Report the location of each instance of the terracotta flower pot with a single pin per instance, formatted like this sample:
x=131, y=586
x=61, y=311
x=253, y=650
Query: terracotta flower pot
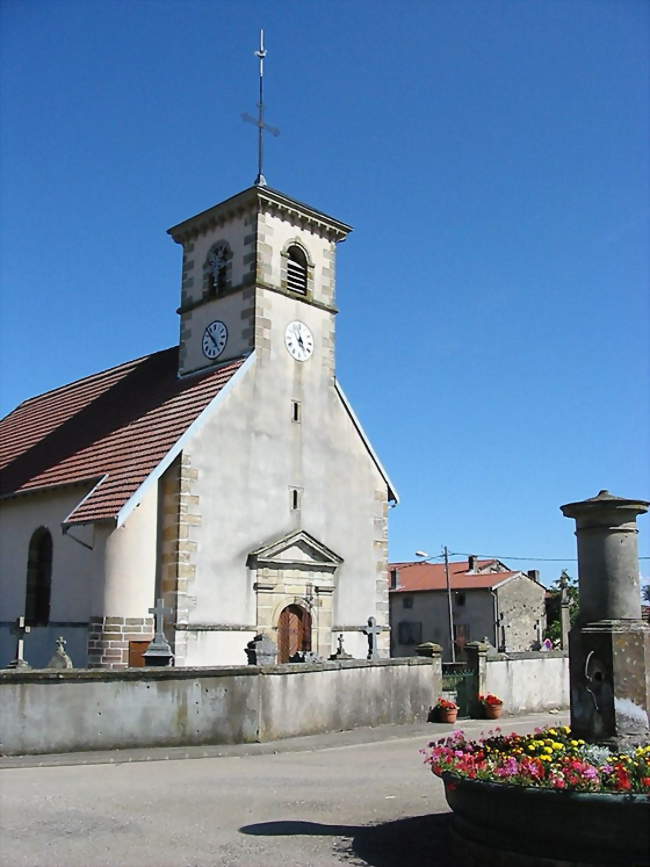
x=447, y=715
x=492, y=711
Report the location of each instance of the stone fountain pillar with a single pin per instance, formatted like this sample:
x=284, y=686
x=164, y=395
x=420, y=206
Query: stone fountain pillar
x=609, y=647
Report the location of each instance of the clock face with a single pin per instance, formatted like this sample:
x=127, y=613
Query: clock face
x=215, y=338
x=299, y=340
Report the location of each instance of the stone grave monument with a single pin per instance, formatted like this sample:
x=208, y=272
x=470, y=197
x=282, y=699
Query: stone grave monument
x=340, y=653
x=262, y=650
x=60, y=658
x=372, y=631
x=20, y=630
x=159, y=651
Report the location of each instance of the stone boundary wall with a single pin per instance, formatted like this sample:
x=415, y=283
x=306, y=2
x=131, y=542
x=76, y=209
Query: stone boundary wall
x=529, y=682
x=62, y=711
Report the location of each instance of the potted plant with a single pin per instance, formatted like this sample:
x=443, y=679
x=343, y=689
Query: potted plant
x=492, y=705
x=445, y=711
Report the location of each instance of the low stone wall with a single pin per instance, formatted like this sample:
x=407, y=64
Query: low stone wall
x=63, y=711
x=529, y=682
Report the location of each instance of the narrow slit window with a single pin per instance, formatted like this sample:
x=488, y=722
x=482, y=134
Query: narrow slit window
x=296, y=414
x=295, y=498
x=296, y=270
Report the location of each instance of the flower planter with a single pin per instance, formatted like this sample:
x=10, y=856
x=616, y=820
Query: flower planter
x=447, y=715
x=498, y=825
x=492, y=711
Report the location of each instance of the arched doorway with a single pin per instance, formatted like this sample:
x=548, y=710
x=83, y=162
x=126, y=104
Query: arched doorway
x=294, y=632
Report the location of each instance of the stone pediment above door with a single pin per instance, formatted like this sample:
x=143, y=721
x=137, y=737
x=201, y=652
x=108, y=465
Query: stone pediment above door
x=296, y=550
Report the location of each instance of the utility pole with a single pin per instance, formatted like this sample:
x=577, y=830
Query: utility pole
x=451, y=610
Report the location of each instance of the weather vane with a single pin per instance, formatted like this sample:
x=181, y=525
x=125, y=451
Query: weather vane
x=259, y=121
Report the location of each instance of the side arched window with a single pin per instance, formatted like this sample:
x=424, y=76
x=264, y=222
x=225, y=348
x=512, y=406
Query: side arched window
x=217, y=270
x=296, y=270
x=39, y=578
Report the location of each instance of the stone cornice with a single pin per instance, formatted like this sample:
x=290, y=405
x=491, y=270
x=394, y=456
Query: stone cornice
x=261, y=199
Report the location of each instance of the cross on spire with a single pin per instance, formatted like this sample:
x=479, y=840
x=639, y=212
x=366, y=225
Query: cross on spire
x=260, y=180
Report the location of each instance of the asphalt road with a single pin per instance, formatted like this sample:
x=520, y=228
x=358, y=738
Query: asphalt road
x=354, y=798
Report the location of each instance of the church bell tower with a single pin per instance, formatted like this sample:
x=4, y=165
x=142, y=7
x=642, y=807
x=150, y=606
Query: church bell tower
x=259, y=241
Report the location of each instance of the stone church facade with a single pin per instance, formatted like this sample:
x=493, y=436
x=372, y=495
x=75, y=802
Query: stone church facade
x=228, y=476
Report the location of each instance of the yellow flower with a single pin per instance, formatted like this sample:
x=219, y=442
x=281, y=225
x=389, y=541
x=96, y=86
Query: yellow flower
x=566, y=729
x=557, y=746
x=574, y=743
x=548, y=750
x=552, y=732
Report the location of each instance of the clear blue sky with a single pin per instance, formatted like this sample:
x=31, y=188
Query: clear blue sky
x=493, y=159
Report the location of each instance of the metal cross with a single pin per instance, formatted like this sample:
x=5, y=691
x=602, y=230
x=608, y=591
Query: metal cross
x=372, y=631
x=20, y=630
x=159, y=612
x=260, y=180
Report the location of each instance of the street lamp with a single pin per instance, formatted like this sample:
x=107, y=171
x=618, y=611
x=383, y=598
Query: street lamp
x=425, y=556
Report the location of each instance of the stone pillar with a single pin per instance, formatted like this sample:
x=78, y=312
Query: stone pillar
x=565, y=621
x=609, y=647
x=434, y=652
x=476, y=653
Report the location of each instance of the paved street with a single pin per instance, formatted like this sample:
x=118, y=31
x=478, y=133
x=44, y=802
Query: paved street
x=355, y=798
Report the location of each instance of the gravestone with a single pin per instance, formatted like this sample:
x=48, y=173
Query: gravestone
x=609, y=646
x=60, y=658
x=492, y=652
x=20, y=630
x=159, y=652
x=340, y=650
x=372, y=631
x=262, y=650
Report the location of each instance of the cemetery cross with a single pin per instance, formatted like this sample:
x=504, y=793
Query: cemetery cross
x=372, y=631
x=20, y=630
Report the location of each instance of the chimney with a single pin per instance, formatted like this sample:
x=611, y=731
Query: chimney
x=533, y=574
x=472, y=563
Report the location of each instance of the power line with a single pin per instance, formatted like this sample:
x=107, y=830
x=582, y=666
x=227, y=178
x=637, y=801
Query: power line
x=501, y=557
x=514, y=557
x=519, y=557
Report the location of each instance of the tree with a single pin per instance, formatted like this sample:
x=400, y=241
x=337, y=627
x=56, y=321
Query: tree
x=645, y=593
x=554, y=623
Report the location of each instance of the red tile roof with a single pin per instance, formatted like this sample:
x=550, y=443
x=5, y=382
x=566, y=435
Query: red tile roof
x=113, y=427
x=413, y=576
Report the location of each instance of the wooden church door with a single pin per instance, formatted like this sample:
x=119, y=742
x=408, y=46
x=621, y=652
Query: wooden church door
x=294, y=632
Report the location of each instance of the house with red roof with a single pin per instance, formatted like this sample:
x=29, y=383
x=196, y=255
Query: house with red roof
x=228, y=476
x=473, y=600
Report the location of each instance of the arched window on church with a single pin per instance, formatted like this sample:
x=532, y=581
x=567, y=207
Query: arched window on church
x=296, y=269
x=39, y=578
x=217, y=269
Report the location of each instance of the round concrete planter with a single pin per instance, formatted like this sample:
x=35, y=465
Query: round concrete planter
x=497, y=825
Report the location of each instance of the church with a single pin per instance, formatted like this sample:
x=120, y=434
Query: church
x=227, y=476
